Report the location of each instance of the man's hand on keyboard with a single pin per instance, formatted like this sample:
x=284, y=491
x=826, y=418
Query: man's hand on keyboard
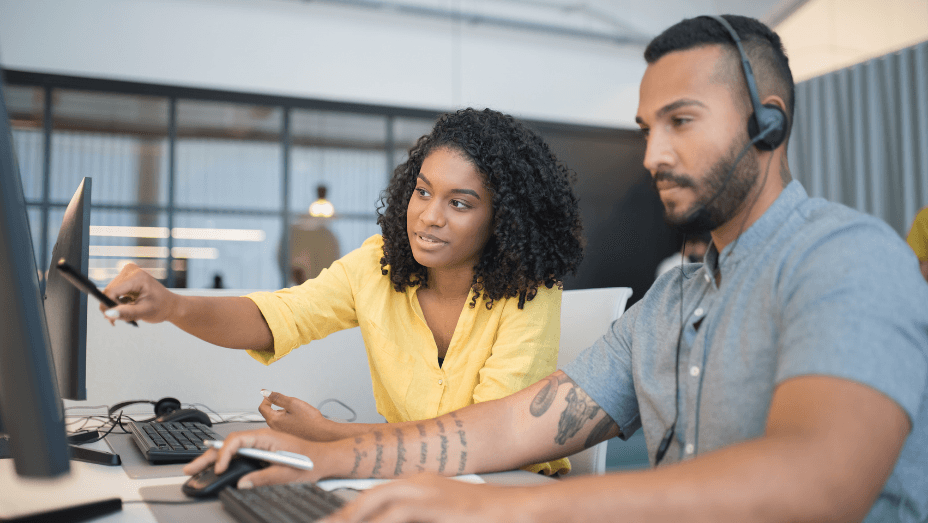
x=264, y=439
x=432, y=499
x=296, y=417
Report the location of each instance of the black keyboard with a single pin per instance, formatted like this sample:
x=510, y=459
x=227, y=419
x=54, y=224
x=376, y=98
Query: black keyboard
x=290, y=502
x=171, y=441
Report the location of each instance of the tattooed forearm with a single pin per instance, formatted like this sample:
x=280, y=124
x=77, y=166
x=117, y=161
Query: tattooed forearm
x=463, y=452
x=443, y=458
x=400, y=453
x=457, y=423
x=441, y=426
x=545, y=397
x=599, y=432
x=580, y=408
x=358, y=456
x=423, y=451
x=378, y=458
x=421, y=428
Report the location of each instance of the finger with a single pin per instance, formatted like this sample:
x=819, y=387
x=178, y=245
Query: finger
x=266, y=408
x=230, y=446
x=204, y=460
x=127, y=277
x=130, y=312
x=375, y=502
x=273, y=475
x=279, y=399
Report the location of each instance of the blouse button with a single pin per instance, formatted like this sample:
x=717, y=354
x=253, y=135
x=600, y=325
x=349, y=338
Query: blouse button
x=439, y=382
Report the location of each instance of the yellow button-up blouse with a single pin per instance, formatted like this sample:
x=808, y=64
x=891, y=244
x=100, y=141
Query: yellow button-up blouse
x=493, y=353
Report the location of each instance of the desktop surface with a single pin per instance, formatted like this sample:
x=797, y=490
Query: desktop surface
x=90, y=482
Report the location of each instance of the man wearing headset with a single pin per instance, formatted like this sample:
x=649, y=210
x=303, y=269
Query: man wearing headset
x=792, y=387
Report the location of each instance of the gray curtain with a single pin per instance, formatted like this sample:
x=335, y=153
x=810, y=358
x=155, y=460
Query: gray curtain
x=860, y=136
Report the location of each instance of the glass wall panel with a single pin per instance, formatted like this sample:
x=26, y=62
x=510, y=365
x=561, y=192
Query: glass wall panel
x=406, y=131
x=351, y=232
x=228, y=155
x=343, y=151
x=353, y=178
x=118, y=140
x=241, y=249
x=26, y=107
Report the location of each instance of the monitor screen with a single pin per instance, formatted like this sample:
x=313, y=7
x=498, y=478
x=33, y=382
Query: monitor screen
x=65, y=305
x=29, y=403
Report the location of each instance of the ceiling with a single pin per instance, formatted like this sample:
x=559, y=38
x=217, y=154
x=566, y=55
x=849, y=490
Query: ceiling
x=622, y=22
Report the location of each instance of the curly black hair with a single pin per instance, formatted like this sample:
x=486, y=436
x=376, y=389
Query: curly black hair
x=536, y=238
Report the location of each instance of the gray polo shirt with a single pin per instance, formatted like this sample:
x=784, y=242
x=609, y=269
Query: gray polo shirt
x=812, y=287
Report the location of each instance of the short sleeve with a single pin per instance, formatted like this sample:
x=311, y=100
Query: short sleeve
x=854, y=307
x=604, y=372
x=525, y=350
x=318, y=307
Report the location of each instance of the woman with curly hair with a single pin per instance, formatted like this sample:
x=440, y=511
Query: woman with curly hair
x=458, y=300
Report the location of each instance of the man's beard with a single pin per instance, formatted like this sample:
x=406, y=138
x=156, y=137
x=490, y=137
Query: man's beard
x=717, y=201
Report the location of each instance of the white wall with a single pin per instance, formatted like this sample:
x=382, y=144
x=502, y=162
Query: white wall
x=316, y=51
x=826, y=35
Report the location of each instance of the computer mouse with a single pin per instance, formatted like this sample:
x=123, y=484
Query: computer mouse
x=186, y=415
x=207, y=483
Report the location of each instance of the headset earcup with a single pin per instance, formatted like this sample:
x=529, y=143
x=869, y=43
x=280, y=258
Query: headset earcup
x=769, y=120
x=166, y=406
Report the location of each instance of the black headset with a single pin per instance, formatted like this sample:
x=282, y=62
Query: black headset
x=768, y=123
x=767, y=127
x=162, y=407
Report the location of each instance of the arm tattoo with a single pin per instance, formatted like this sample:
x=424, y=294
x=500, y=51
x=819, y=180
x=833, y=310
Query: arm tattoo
x=457, y=422
x=358, y=456
x=546, y=395
x=580, y=408
x=463, y=452
x=599, y=432
x=423, y=447
x=378, y=459
x=441, y=426
x=443, y=459
x=400, y=453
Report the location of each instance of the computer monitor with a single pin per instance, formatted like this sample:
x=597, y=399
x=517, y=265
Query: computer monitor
x=29, y=402
x=65, y=305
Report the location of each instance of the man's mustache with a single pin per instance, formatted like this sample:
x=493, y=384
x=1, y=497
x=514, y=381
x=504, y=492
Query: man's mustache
x=680, y=180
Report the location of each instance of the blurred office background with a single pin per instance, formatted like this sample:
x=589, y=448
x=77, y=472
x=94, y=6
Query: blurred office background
x=207, y=125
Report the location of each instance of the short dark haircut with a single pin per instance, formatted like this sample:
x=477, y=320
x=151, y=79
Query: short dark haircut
x=762, y=45
x=535, y=236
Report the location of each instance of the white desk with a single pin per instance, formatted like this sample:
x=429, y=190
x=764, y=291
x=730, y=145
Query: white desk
x=88, y=482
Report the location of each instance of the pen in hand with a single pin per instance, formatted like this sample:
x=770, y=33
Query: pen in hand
x=280, y=457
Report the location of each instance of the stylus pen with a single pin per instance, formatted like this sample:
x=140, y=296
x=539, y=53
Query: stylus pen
x=280, y=457
x=82, y=283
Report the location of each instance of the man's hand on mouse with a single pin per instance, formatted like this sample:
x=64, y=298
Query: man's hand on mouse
x=295, y=417
x=141, y=297
x=265, y=439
